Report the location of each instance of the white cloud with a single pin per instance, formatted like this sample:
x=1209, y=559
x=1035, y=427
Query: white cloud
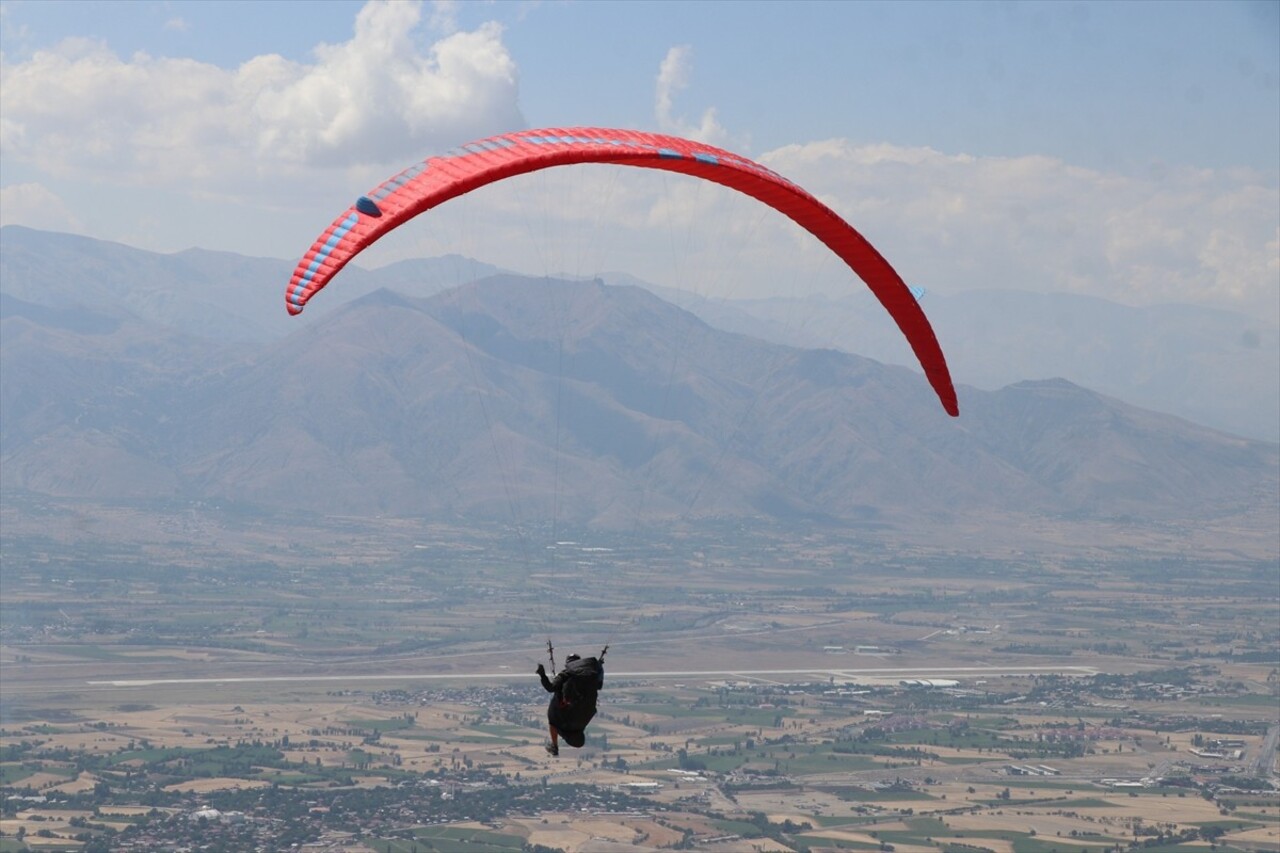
x=177, y=24
x=958, y=222
x=444, y=16
x=673, y=77
x=378, y=100
x=36, y=206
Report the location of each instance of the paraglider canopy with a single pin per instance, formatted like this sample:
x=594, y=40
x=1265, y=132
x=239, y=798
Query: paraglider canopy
x=438, y=179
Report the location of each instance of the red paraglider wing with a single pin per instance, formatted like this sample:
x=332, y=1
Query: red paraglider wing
x=438, y=179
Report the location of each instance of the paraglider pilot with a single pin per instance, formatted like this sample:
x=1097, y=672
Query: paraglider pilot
x=573, y=700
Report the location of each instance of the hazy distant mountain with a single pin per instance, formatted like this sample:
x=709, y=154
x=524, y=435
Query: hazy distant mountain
x=519, y=399
x=84, y=399
x=1213, y=367
x=219, y=295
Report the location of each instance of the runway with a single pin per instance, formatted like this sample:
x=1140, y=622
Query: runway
x=876, y=674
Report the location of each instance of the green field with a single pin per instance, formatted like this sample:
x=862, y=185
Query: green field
x=11, y=774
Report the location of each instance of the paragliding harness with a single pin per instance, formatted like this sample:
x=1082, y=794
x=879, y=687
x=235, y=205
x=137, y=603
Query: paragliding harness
x=581, y=679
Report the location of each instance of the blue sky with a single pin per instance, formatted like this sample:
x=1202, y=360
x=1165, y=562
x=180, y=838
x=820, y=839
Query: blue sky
x=1121, y=149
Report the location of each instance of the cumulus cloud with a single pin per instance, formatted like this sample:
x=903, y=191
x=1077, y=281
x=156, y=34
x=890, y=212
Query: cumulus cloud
x=36, y=206
x=673, y=77
x=377, y=100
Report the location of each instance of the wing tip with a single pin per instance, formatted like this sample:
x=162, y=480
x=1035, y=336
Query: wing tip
x=949, y=402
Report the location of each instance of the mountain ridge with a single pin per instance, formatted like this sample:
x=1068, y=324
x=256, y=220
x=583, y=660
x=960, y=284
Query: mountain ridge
x=1203, y=364
x=513, y=400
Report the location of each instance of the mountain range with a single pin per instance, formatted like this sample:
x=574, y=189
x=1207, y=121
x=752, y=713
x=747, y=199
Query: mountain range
x=513, y=399
x=1215, y=367
x=1210, y=366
